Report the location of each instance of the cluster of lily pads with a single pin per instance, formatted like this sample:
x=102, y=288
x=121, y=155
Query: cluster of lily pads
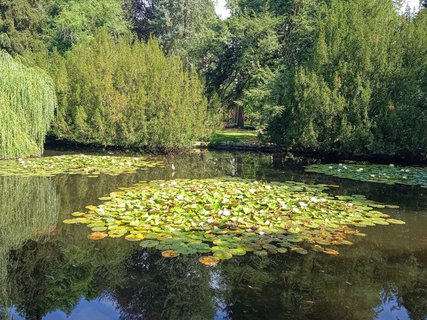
x=90, y=165
x=388, y=174
x=224, y=217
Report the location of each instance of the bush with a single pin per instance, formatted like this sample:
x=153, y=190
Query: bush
x=123, y=92
x=362, y=87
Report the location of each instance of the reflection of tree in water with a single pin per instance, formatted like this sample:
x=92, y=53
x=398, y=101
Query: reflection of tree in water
x=321, y=287
x=155, y=288
x=56, y=274
x=29, y=210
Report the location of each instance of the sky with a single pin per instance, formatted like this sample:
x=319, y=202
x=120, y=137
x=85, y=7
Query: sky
x=413, y=3
x=222, y=11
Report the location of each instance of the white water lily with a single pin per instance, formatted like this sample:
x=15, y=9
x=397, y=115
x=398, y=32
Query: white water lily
x=303, y=204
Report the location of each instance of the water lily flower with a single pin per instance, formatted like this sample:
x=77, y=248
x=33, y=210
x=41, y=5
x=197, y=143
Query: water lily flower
x=303, y=204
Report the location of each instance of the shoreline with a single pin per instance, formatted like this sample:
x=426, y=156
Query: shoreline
x=403, y=157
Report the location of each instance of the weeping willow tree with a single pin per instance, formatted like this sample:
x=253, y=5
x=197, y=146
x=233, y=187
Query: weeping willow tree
x=27, y=106
x=29, y=209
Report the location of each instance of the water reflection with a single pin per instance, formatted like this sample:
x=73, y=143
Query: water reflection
x=65, y=276
x=29, y=210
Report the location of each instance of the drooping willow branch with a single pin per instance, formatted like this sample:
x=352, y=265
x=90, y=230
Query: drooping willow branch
x=27, y=106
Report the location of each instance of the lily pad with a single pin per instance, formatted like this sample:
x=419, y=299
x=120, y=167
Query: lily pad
x=89, y=165
x=170, y=254
x=231, y=217
x=209, y=261
x=97, y=236
x=387, y=174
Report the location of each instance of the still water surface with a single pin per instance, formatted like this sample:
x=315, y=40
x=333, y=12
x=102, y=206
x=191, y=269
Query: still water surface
x=49, y=270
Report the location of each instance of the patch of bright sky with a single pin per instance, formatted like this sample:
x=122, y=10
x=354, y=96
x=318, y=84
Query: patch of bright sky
x=413, y=4
x=221, y=9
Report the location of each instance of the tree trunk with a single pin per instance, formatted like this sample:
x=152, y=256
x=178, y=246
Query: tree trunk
x=240, y=117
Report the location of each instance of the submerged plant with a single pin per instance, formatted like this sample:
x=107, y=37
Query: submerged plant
x=231, y=217
x=27, y=106
x=75, y=164
x=388, y=174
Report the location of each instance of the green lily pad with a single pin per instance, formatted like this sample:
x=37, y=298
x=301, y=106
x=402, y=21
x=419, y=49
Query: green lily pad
x=387, y=174
x=89, y=165
x=149, y=243
x=232, y=217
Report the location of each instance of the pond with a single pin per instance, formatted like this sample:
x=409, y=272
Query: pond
x=51, y=270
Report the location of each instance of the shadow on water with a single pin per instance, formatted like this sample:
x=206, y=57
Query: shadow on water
x=50, y=270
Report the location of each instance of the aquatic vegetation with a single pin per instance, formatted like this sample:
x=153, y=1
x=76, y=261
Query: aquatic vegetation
x=90, y=165
x=388, y=174
x=230, y=217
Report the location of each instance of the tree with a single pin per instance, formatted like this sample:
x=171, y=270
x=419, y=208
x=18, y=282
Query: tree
x=347, y=93
x=27, y=106
x=22, y=25
x=76, y=20
x=240, y=58
x=127, y=93
x=180, y=26
x=27, y=25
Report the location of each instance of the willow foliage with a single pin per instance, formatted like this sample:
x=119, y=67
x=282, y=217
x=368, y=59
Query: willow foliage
x=27, y=106
x=127, y=93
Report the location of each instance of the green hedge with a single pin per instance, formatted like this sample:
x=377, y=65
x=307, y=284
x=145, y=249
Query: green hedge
x=123, y=92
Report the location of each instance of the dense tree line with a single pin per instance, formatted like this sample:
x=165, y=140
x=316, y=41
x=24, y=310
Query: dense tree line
x=330, y=75
x=112, y=89
x=347, y=76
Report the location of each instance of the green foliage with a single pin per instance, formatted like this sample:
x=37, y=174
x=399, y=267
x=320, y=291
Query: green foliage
x=22, y=25
x=27, y=106
x=127, y=93
x=77, y=20
x=361, y=88
x=182, y=27
x=241, y=58
x=27, y=25
x=329, y=75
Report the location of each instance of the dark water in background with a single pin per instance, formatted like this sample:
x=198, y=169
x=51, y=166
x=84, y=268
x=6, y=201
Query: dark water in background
x=49, y=270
